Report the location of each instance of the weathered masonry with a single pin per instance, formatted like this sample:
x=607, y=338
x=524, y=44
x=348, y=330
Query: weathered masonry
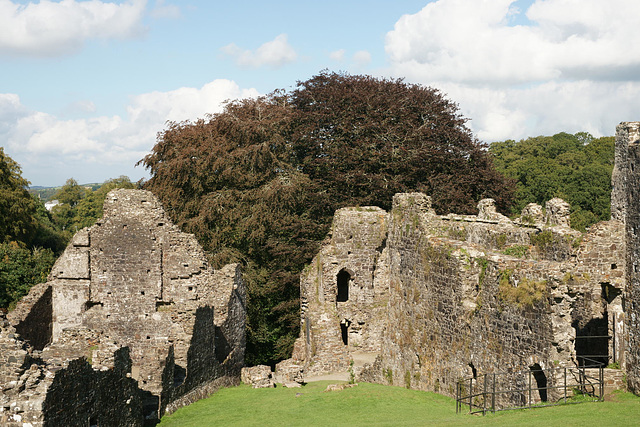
x=131, y=323
x=627, y=191
x=435, y=298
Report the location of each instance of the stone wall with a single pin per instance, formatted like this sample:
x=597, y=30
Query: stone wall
x=628, y=143
x=35, y=388
x=133, y=281
x=342, y=302
x=454, y=296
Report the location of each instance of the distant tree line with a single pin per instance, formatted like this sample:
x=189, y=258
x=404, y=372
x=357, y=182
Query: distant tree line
x=576, y=168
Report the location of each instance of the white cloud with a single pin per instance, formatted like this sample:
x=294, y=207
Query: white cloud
x=361, y=58
x=105, y=140
x=274, y=53
x=162, y=10
x=470, y=41
x=545, y=109
x=574, y=68
x=337, y=55
x=55, y=28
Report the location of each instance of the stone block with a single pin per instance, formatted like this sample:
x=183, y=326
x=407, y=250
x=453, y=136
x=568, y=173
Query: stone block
x=258, y=376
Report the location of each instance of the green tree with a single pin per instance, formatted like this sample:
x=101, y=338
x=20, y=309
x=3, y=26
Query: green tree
x=259, y=182
x=17, y=207
x=70, y=193
x=576, y=168
x=81, y=207
x=28, y=237
x=20, y=269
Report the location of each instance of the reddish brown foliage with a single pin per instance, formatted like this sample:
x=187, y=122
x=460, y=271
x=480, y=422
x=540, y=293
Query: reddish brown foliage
x=260, y=181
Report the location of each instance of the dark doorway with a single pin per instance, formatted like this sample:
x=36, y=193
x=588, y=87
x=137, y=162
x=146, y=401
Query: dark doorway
x=343, y=285
x=344, y=329
x=592, y=342
x=474, y=372
x=541, y=381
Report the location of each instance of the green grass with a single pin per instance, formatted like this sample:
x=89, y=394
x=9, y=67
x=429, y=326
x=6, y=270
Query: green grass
x=378, y=405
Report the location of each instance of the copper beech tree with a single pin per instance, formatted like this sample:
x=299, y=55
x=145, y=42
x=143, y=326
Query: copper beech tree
x=258, y=183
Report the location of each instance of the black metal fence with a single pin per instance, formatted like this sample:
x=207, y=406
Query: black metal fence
x=531, y=388
x=596, y=343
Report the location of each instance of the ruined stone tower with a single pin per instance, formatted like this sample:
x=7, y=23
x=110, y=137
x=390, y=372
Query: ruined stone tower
x=133, y=281
x=628, y=178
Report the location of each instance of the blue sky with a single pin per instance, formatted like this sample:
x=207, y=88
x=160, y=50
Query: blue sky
x=86, y=85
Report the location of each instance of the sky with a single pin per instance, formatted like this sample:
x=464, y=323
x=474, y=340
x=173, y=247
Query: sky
x=85, y=86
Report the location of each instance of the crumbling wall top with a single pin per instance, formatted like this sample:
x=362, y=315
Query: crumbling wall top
x=487, y=210
x=139, y=204
x=418, y=201
x=558, y=212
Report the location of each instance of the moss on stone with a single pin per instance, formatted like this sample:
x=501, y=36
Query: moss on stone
x=524, y=293
x=518, y=251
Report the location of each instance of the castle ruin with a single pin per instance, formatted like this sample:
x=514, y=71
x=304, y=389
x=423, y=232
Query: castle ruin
x=131, y=323
x=422, y=300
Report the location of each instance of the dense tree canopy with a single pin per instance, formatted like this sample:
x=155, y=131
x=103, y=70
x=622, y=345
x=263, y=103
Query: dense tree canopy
x=576, y=168
x=20, y=269
x=28, y=238
x=18, y=210
x=366, y=139
x=259, y=182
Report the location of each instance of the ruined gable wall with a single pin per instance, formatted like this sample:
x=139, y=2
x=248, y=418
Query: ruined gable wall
x=457, y=298
x=628, y=142
x=135, y=281
x=464, y=291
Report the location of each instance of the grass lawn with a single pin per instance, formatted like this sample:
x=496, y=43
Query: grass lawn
x=378, y=405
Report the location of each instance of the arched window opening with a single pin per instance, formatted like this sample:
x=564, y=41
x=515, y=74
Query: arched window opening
x=541, y=381
x=343, y=280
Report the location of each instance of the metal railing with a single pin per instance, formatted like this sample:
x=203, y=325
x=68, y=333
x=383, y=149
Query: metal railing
x=603, y=359
x=491, y=392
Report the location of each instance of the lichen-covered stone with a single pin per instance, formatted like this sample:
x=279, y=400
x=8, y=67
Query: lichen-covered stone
x=259, y=376
x=628, y=178
x=532, y=214
x=558, y=212
x=420, y=300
